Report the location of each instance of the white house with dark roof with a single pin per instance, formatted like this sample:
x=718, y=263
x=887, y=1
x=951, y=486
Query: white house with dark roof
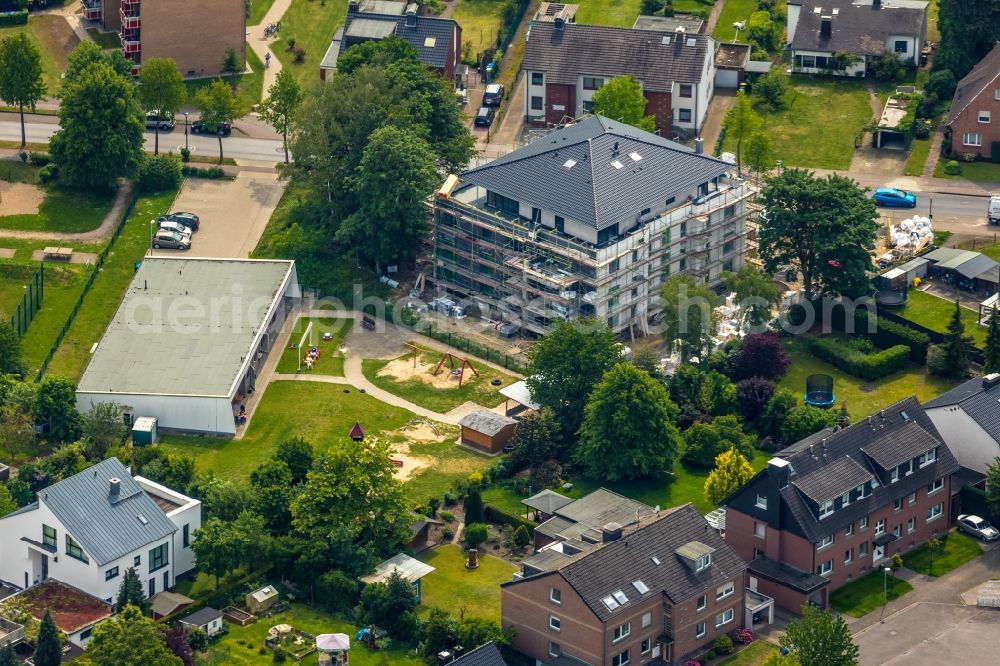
x=968, y=418
x=88, y=529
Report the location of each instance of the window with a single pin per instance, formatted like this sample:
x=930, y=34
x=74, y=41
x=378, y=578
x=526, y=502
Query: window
x=73, y=549
x=555, y=595
x=927, y=458
x=687, y=90
x=898, y=504
x=667, y=203
x=845, y=499
x=894, y=475
x=592, y=83
x=554, y=650
x=620, y=659
x=848, y=555
x=880, y=526
x=613, y=266
x=825, y=569
x=588, y=105
x=86, y=633
x=111, y=573
x=537, y=78
x=702, y=601
x=647, y=619
x=684, y=115
x=699, y=630
x=757, y=552
x=808, y=61
x=825, y=542
x=850, y=530
x=703, y=562
x=996, y=94
x=984, y=117
x=621, y=632
x=724, y=591
x=825, y=509
x=646, y=644
x=936, y=486
x=934, y=512
x=537, y=103
x=895, y=531
x=863, y=550
x=759, y=529
x=49, y=536
x=724, y=618
x=900, y=46
x=560, y=224
x=158, y=558
x=555, y=623
x=863, y=523
x=863, y=491
x=913, y=497
x=761, y=501
x=911, y=525
x=972, y=139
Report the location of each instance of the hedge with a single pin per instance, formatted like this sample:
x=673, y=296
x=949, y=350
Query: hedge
x=19, y=17
x=867, y=366
x=495, y=515
x=887, y=333
x=196, y=172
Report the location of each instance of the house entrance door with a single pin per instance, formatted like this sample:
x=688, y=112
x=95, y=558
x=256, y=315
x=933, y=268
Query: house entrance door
x=45, y=567
x=878, y=553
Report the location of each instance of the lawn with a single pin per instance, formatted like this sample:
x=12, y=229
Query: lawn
x=242, y=644
x=62, y=209
x=979, y=172
x=935, y=313
x=331, y=360
x=101, y=302
x=13, y=279
x=312, y=25
x=864, y=595
x=106, y=40
x=249, y=86
x=862, y=397
x=754, y=654
x=258, y=8
x=441, y=400
x=920, y=149
x=733, y=11
x=454, y=588
x=480, y=21
x=46, y=33
x=450, y=463
x=958, y=549
x=819, y=123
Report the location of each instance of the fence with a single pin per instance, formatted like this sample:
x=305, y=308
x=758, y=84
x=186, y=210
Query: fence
x=21, y=317
x=978, y=243
x=101, y=258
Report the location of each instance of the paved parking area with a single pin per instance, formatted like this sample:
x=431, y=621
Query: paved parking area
x=928, y=633
x=233, y=213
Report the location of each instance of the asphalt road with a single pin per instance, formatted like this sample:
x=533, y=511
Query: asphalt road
x=960, y=214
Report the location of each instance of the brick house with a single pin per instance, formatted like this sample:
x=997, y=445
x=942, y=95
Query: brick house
x=653, y=593
x=833, y=507
x=566, y=63
x=976, y=99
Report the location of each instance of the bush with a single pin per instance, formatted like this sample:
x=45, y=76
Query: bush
x=743, y=636
x=214, y=173
x=476, y=534
x=937, y=361
x=867, y=366
x=198, y=640
x=521, y=536
x=19, y=17
x=39, y=159
x=450, y=499
x=185, y=154
x=885, y=333
x=447, y=534
x=447, y=516
x=48, y=172
x=704, y=441
x=499, y=517
x=23, y=155
x=651, y=7
x=299, y=54
x=160, y=173
x=724, y=644
x=922, y=129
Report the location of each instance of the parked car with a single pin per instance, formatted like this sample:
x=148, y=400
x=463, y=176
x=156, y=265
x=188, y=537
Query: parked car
x=198, y=127
x=493, y=95
x=187, y=219
x=177, y=227
x=171, y=240
x=165, y=121
x=890, y=196
x=485, y=115
x=977, y=527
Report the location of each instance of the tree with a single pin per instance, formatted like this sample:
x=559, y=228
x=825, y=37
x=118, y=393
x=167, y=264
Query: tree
x=130, y=592
x=161, y=90
x=651, y=7
x=16, y=431
x=231, y=65
x=473, y=507
x=521, y=537
x=968, y=33
x=272, y=494
x=941, y=84
x=101, y=129
x=198, y=640
x=11, y=354
x=377, y=53
x=771, y=88
x=298, y=455
x=7, y=657
x=283, y=99
x=771, y=421
x=130, y=638
x=732, y=471
x=217, y=548
x=88, y=53
x=704, y=442
x=756, y=296
x=104, y=427
x=820, y=638
x=397, y=173
x=804, y=420
x=56, y=406
x=689, y=318
x=886, y=67
x=823, y=227
x=628, y=429
x=21, y=77
x=991, y=355
x=178, y=641
x=7, y=503
x=752, y=396
x=475, y=534
x=565, y=366
x=621, y=99
x=48, y=650
x=390, y=605
x=218, y=106
x=993, y=487
x=934, y=548
x=438, y=632
x=740, y=122
x=956, y=344
x=760, y=355
x=225, y=499
x=255, y=540
x=759, y=153
x=763, y=31
x=536, y=438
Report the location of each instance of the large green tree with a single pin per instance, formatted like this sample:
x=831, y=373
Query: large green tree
x=130, y=638
x=48, y=649
x=397, y=173
x=758, y=153
x=565, y=366
x=689, y=321
x=87, y=53
x=278, y=108
x=740, y=123
x=820, y=638
x=161, y=90
x=256, y=541
x=956, y=344
x=732, y=472
x=968, y=33
x=104, y=428
x=621, y=99
x=993, y=486
x=272, y=495
x=218, y=106
x=756, y=296
x=217, y=548
x=536, y=438
x=55, y=405
x=705, y=441
x=804, y=420
x=628, y=429
x=21, y=82
x=101, y=129
x=130, y=592
x=823, y=227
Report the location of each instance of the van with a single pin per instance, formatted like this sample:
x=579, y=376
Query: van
x=165, y=120
x=993, y=212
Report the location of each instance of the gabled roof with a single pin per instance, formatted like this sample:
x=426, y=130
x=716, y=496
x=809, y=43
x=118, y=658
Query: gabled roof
x=589, y=171
x=857, y=27
x=486, y=421
x=966, y=263
x=430, y=35
x=982, y=77
x=654, y=58
x=547, y=501
x=484, y=655
x=975, y=437
x=585, y=517
x=833, y=480
x=202, y=616
x=107, y=526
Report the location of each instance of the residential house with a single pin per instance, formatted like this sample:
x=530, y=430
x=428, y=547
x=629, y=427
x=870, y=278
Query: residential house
x=577, y=523
x=659, y=590
x=968, y=419
x=566, y=63
x=833, y=507
x=819, y=30
x=487, y=654
x=87, y=530
x=586, y=221
x=486, y=430
x=976, y=99
x=74, y=611
x=438, y=41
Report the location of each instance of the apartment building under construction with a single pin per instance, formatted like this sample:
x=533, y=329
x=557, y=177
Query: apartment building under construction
x=586, y=222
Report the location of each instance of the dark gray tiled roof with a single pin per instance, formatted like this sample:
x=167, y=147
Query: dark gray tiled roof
x=547, y=501
x=439, y=29
x=593, y=191
x=907, y=441
x=484, y=655
x=833, y=480
x=107, y=527
x=858, y=27
x=486, y=422
x=975, y=82
x=202, y=616
x=779, y=572
x=597, y=50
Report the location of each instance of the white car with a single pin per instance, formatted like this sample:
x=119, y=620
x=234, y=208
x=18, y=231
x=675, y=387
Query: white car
x=177, y=227
x=977, y=527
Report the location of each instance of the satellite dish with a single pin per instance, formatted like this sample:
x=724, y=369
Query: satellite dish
x=739, y=25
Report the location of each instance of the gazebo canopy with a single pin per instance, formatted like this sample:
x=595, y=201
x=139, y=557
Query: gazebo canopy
x=333, y=642
x=408, y=567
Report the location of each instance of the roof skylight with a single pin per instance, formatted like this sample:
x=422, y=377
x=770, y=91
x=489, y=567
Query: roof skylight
x=640, y=586
x=619, y=596
x=429, y=42
x=610, y=602
x=569, y=164
x=635, y=156
x=616, y=164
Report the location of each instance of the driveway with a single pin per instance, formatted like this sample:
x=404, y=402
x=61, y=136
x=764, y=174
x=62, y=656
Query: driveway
x=233, y=213
x=928, y=634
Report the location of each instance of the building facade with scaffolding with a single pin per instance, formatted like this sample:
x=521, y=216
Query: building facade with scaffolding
x=587, y=221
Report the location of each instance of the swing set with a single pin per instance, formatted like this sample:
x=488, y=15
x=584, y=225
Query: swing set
x=453, y=360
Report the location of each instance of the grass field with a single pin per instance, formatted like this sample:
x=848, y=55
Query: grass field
x=920, y=149
x=935, y=313
x=862, y=397
x=312, y=25
x=818, y=125
x=451, y=463
x=733, y=11
x=480, y=21
x=331, y=360
x=977, y=172
x=45, y=32
x=100, y=304
x=249, y=86
x=258, y=8
x=454, y=588
x=958, y=549
x=106, y=40
x=13, y=279
x=864, y=595
x=755, y=654
x=63, y=210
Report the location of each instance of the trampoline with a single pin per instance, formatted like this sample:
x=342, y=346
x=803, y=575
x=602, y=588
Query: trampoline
x=819, y=391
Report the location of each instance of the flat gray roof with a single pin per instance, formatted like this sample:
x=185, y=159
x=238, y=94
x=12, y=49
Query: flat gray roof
x=186, y=326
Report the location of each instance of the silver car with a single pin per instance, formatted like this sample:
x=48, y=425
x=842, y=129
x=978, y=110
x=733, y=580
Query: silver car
x=177, y=227
x=171, y=240
x=977, y=527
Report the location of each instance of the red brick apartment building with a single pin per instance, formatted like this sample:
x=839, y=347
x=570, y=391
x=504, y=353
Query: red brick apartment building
x=840, y=503
x=655, y=592
x=196, y=34
x=974, y=120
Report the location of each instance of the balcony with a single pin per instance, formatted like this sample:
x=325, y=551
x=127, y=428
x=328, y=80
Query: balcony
x=131, y=6
x=131, y=47
x=92, y=10
x=130, y=21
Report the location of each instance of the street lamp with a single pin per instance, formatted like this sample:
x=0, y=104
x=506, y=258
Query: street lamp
x=885, y=591
x=185, y=130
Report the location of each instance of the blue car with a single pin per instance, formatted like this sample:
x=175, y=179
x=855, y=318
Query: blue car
x=890, y=196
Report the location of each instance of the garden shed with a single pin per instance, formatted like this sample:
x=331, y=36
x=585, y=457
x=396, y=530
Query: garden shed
x=408, y=567
x=207, y=619
x=260, y=600
x=972, y=271
x=486, y=430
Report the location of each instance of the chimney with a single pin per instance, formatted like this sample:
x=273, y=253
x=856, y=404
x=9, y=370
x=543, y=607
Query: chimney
x=825, y=26
x=991, y=380
x=611, y=532
x=559, y=23
x=699, y=146
x=352, y=7
x=116, y=486
x=614, y=149
x=411, y=15
x=778, y=469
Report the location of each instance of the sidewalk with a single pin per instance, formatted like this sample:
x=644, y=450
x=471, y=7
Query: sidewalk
x=261, y=44
x=921, y=184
